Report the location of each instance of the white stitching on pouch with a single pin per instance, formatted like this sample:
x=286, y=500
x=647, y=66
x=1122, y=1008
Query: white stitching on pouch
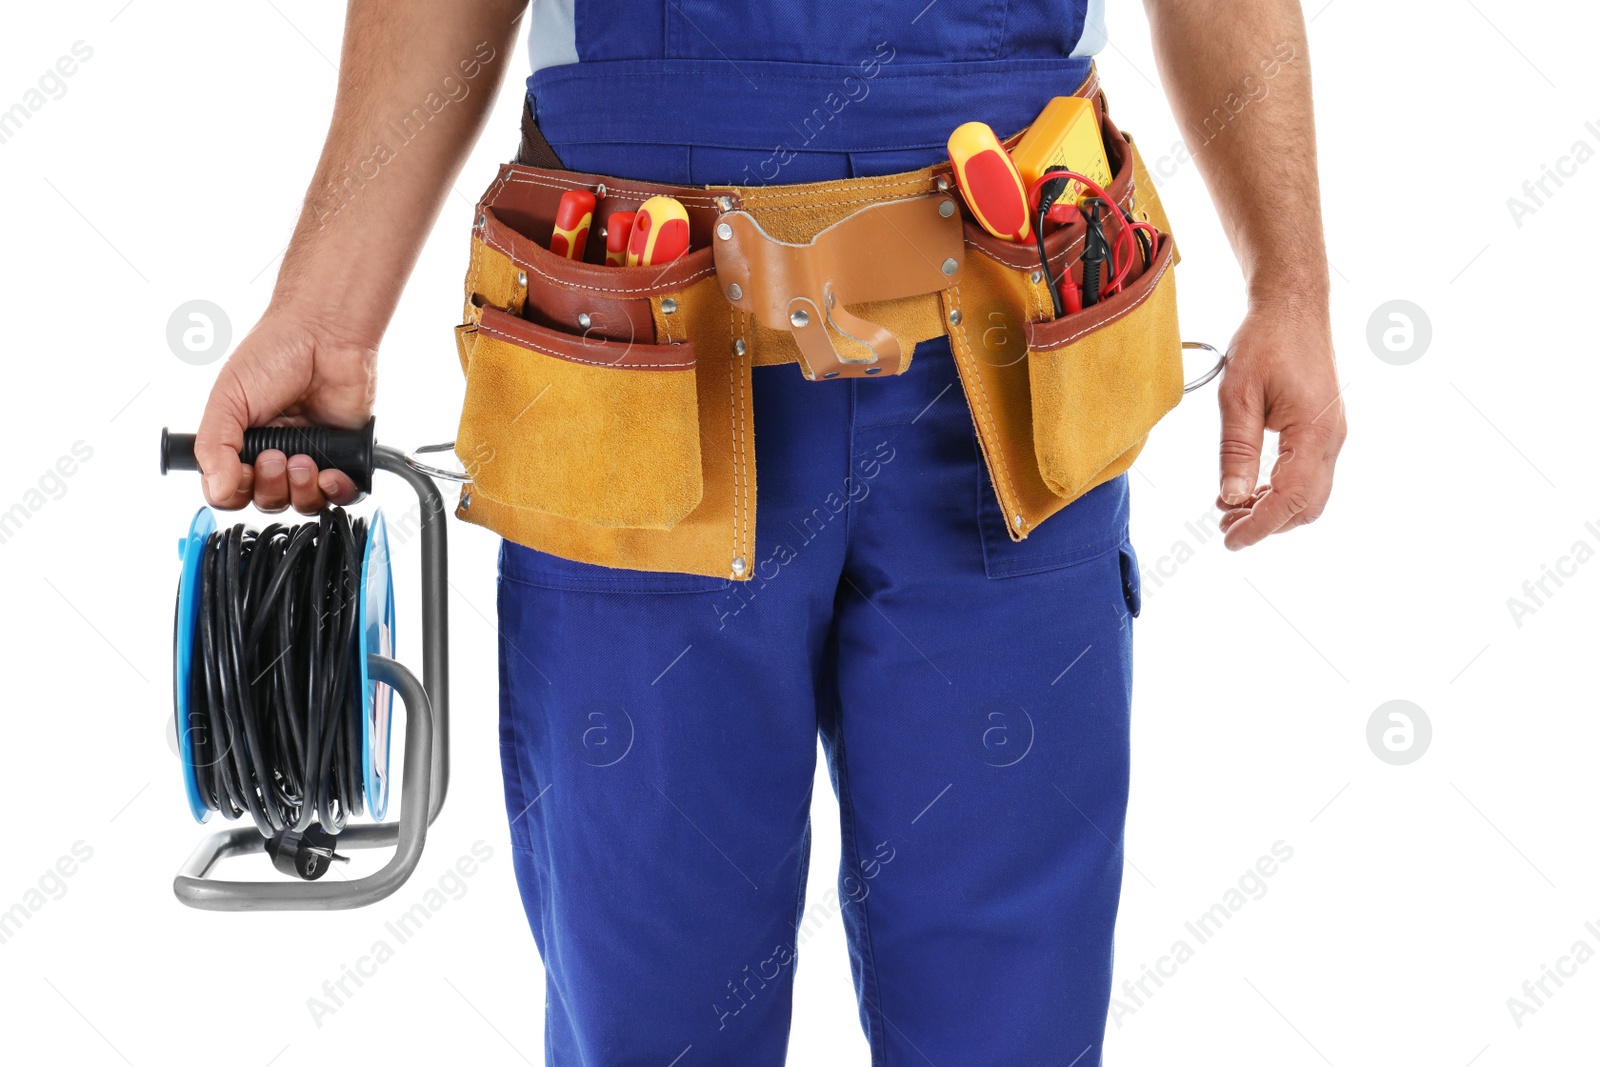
x=958, y=339
x=631, y=191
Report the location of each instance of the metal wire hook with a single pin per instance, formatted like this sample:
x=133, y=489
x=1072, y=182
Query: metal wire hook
x=1216, y=368
x=431, y=471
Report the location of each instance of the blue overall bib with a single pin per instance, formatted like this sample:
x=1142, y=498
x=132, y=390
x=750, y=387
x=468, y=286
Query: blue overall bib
x=659, y=731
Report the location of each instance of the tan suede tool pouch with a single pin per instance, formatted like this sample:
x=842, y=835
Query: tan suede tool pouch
x=1103, y=377
x=607, y=418
x=604, y=432
x=1063, y=405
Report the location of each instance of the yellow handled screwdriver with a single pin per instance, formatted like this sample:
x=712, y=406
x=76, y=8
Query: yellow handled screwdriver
x=660, y=232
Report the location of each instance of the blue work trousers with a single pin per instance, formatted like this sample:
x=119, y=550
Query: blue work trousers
x=659, y=734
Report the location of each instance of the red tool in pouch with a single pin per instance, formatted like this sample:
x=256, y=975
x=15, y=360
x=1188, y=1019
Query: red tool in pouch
x=619, y=227
x=989, y=181
x=574, y=215
x=660, y=232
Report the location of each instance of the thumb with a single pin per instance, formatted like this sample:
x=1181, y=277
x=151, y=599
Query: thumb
x=219, y=439
x=1243, y=425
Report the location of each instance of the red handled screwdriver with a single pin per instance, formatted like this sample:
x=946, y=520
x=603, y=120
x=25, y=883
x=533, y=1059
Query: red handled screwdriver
x=989, y=181
x=660, y=232
x=619, y=227
x=573, y=217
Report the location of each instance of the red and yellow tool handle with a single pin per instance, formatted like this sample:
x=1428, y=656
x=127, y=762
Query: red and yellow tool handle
x=619, y=227
x=989, y=182
x=660, y=232
x=574, y=215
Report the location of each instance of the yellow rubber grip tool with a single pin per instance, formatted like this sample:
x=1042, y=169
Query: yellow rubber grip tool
x=989, y=182
x=660, y=232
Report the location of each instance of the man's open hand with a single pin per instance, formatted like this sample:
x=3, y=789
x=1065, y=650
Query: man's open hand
x=1280, y=377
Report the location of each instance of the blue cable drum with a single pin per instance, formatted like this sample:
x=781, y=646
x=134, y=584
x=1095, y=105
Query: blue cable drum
x=190, y=550
x=376, y=631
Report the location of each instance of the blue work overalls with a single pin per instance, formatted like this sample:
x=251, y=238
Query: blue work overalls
x=659, y=731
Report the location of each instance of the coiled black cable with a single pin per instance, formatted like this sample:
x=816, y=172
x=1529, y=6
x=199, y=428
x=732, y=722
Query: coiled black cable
x=275, y=701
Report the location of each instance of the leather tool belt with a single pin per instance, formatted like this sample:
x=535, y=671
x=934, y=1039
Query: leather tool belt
x=608, y=409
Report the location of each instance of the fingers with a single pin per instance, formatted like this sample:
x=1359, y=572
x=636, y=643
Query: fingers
x=304, y=493
x=338, y=488
x=1232, y=514
x=1243, y=425
x=217, y=443
x=271, y=480
x=275, y=481
x=241, y=495
x=1302, y=481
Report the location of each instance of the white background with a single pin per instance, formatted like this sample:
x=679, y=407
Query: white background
x=1419, y=897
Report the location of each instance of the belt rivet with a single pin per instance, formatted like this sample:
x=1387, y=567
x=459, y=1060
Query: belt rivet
x=466, y=500
x=522, y=279
x=600, y=191
x=739, y=564
x=943, y=183
x=725, y=203
x=483, y=220
x=831, y=374
x=799, y=319
x=734, y=292
x=668, y=305
x=1035, y=277
x=738, y=346
x=950, y=266
x=724, y=231
x=1021, y=522
x=955, y=317
x=583, y=320
x=947, y=208
x=874, y=370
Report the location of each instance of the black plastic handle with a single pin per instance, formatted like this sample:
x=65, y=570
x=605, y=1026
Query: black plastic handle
x=349, y=451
